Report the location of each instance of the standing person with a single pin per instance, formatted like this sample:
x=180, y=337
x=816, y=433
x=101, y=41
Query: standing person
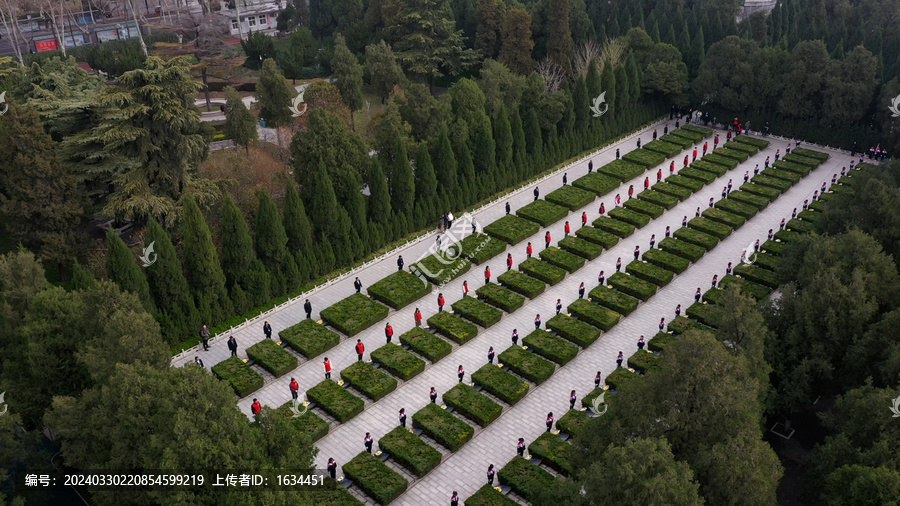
x=637, y=252
x=294, y=387
x=509, y=262
x=572, y=399
x=474, y=226
x=756, y=168
x=724, y=191
x=710, y=202
x=515, y=337
x=440, y=302
x=652, y=240
x=672, y=167
x=782, y=224
x=537, y=322
x=487, y=274
x=308, y=308
x=619, y=359
x=662, y=324
x=747, y=175
x=204, y=336
x=601, y=278
x=449, y=220
x=565, y=178
x=198, y=361
x=590, y=166
x=460, y=373
x=417, y=316
x=618, y=200
x=630, y=191
x=729, y=186
x=360, y=349
x=684, y=221
x=658, y=175
x=388, y=332
x=332, y=468
x=403, y=417
x=619, y=264
x=581, y=290
x=597, y=380
x=567, y=229
x=558, y=305
x=647, y=182
x=771, y=234
x=232, y=346
x=668, y=232
x=255, y=408
x=454, y=499
x=654, y=134
x=491, y=355
x=602, y=209
x=677, y=310
x=697, y=295
x=728, y=269
x=267, y=330
x=756, y=246
x=766, y=163
x=777, y=154
x=547, y=239
x=715, y=280
x=705, y=147
x=490, y=475
x=327, y=364
x=686, y=162
x=549, y=421
x=357, y=284
x=583, y=218
x=694, y=158
x=640, y=343
x=433, y=395
x=537, y=193
x=400, y=263
x=639, y=143
x=520, y=447
x=465, y=288
x=716, y=142
x=367, y=441
x=617, y=153
x=507, y=208
x=529, y=250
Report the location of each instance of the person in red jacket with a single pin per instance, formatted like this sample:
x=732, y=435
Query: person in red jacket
x=602, y=209
x=694, y=159
x=567, y=229
x=646, y=182
x=487, y=274
x=659, y=173
x=295, y=388
x=549, y=421
x=672, y=168
x=547, y=240
x=465, y=288
x=509, y=262
x=360, y=349
x=388, y=332
x=440, y=302
x=327, y=364
x=529, y=250
x=584, y=217
x=256, y=407
x=418, y=317
x=705, y=148
x=630, y=191
x=685, y=160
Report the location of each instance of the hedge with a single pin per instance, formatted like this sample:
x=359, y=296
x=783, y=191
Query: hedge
x=355, y=314
x=700, y=175
x=703, y=131
x=527, y=365
x=786, y=235
x=512, y=229
x=426, y=344
x=667, y=149
x=679, y=192
x=543, y=271
x=685, y=250
x=573, y=421
x=787, y=175
x=598, y=183
x=691, y=184
x=597, y=236
x=681, y=324
x=410, y=451
x=632, y=286
x=473, y=404
x=644, y=361
x=542, y=212
x=696, y=237
x=522, y=284
x=687, y=134
x=645, y=207
x=375, y=478
x=588, y=400
x=562, y=259
x=818, y=155
x=399, y=289
x=766, y=261
x=630, y=217
x=649, y=272
x=800, y=225
x=453, y=327
x=666, y=260
x=308, y=424
x=771, y=182
x=553, y=452
x=614, y=299
x=477, y=248
x=368, y=380
x=500, y=297
x=705, y=166
x=772, y=248
x=710, y=227
x=335, y=400
x=622, y=170
x=735, y=154
x=594, y=314
x=573, y=330
x=755, y=290
x=550, y=347
x=677, y=140
x=242, y=378
x=753, y=141
x=476, y=311
x=818, y=205
x=660, y=341
x=713, y=296
x=619, y=377
x=584, y=249
x=571, y=197
x=448, y=430
x=750, y=149
x=658, y=198
x=525, y=478
x=500, y=384
x=441, y=267
x=747, y=198
x=809, y=216
x=488, y=496
x=309, y=338
x=272, y=357
x=707, y=314
x=615, y=227
x=721, y=159
x=761, y=190
x=798, y=168
x=730, y=220
x=757, y=275
x=801, y=160
x=397, y=361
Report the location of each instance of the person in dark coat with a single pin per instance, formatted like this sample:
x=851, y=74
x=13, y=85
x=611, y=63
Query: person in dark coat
x=204, y=336
x=357, y=284
x=232, y=346
x=307, y=306
x=267, y=330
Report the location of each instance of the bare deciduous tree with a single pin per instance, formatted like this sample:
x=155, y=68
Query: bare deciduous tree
x=552, y=73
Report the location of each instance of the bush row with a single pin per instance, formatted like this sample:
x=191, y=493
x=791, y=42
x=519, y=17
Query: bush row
x=685, y=182
x=598, y=183
x=681, y=324
x=551, y=347
x=375, y=478
x=473, y=404
x=645, y=207
x=582, y=248
x=649, y=272
x=441, y=267
x=522, y=284
x=448, y=430
x=696, y=237
x=410, y=451
x=615, y=227
x=666, y=260
x=703, y=131
x=747, y=198
x=772, y=182
x=562, y=259
x=633, y=286
x=694, y=137
x=398, y=289
x=594, y=314
x=335, y=400
x=308, y=424
x=527, y=365
x=543, y=271
x=397, y=361
x=553, y=451
x=757, y=274
x=761, y=190
x=453, y=327
x=707, y=314
x=614, y=299
x=571, y=197
x=757, y=291
x=734, y=154
x=500, y=297
x=710, y=227
x=630, y=217
x=489, y=496
x=659, y=198
x=500, y=384
x=355, y=314
x=667, y=149
x=619, y=377
x=660, y=341
x=726, y=218
x=512, y=229
x=476, y=311
x=727, y=161
x=597, y=236
x=426, y=344
x=309, y=338
x=573, y=330
x=368, y=380
x=677, y=140
x=242, y=378
x=525, y=478
x=753, y=141
x=713, y=168
x=679, y=192
x=622, y=170
x=700, y=175
x=644, y=361
x=272, y=358
x=542, y=212
x=478, y=248
x=684, y=249
x=573, y=421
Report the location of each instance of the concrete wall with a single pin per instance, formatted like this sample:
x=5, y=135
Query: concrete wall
x=751, y=6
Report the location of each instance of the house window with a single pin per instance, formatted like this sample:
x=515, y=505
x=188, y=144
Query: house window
x=234, y=24
x=251, y=21
x=262, y=19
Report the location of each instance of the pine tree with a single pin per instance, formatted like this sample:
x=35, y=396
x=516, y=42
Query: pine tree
x=445, y=169
x=466, y=173
x=402, y=182
x=517, y=44
x=323, y=207
x=274, y=95
x=533, y=141
x=379, y=198
x=82, y=279
x=240, y=125
x=245, y=276
x=608, y=80
x=299, y=232
x=634, y=79
x=349, y=75
x=484, y=153
x=519, y=150
x=559, y=38
x=582, y=103
x=504, y=141
x=169, y=288
x=201, y=263
x=122, y=268
x=271, y=246
x=426, y=187
x=490, y=14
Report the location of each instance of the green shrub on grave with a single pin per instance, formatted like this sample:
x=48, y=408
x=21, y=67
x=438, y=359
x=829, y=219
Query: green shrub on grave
x=397, y=361
x=644, y=207
x=762, y=191
x=478, y=248
x=562, y=259
x=622, y=170
x=620, y=376
x=681, y=324
x=309, y=424
x=666, y=260
x=525, y=478
x=710, y=227
x=368, y=380
x=630, y=217
x=543, y=271
x=724, y=217
x=588, y=400
x=707, y=314
x=399, y=289
x=500, y=297
x=700, y=175
x=453, y=327
x=755, y=290
x=527, y=364
x=744, y=197
x=309, y=338
x=542, y=212
x=441, y=267
x=633, y=286
x=801, y=160
x=766, y=261
x=649, y=272
x=713, y=168
x=735, y=154
x=488, y=496
x=272, y=358
x=597, y=236
x=615, y=227
x=512, y=229
x=522, y=284
x=825, y=197
x=553, y=452
x=693, y=185
x=355, y=314
x=713, y=296
x=796, y=168
x=818, y=205
x=677, y=140
x=426, y=344
x=667, y=149
x=594, y=314
x=550, y=347
x=500, y=384
x=644, y=157
x=408, y=450
x=582, y=248
x=477, y=312
x=818, y=155
x=573, y=330
x=614, y=299
x=448, y=430
x=787, y=235
x=809, y=217
x=727, y=161
x=375, y=478
x=689, y=235
x=686, y=250
x=750, y=149
x=660, y=341
x=571, y=197
x=687, y=134
x=703, y=131
x=472, y=404
x=679, y=192
x=573, y=421
x=753, y=141
x=597, y=183
x=842, y=188
x=733, y=206
x=757, y=274
x=335, y=400
x=644, y=361
x=791, y=177
x=772, y=248
x=772, y=182
x=242, y=378
x=658, y=198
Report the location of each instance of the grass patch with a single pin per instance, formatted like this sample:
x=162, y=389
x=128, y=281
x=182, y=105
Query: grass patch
x=619, y=377
x=542, y=212
x=522, y=284
x=632, y=285
x=272, y=357
x=550, y=347
x=644, y=361
x=476, y=311
x=667, y=261
x=727, y=161
x=525, y=478
x=677, y=140
x=488, y=496
x=755, y=290
x=797, y=224
x=710, y=227
x=696, y=237
x=562, y=259
x=614, y=299
x=355, y=314
x=453, y=327
x=660, y=341
x=543, y=271
x=500, y=297
x=511, y=229
x=371, y=382
x=691, y=184
x=399, y=289
x=597, y=236
x=658, y=198
x=426, y=344
x=375, y=478
x=598, y=183
x=649, y=272
x=553, y=451
x=478, y=248
x=753, y=141
x=500, y=383
x=697, y=129
x=749, y=199
x=630, y=217
x=645, y=207
x=410, y=451
x=571, y=197
x=700, y=175
x=757, y=275
x=667, y=149
x=242, y=378
x=735, y=154
x=574, y=330
x=584, y=249
x=448, y=430
x=712, y=168
x=440, y=267
x=772, y=182
x=707, y=314
x=810, y=153
x=622, y=170
x=761, y=190
x=594, y=314
x=679, y=192
x=473, y=404
x=615, y=227
x=730, y=220
x=685, y=250
x=335, y=400
x=309, y=338
x=397, y=361
x=309, y=424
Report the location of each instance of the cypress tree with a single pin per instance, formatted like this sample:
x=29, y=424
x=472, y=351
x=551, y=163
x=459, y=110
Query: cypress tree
x=349, y=75
x=299, y=232
x=466, y=174
x=324, y=257
x=559, y=37
x=271, y=247
x=670, y=36
x=697, y=54
x=634, y=79
x=379, y=199
x=504, y=141
x=240, y=125
x=533, y=140
x=402, y=183
x=245, y=276
x=567, y=124
x=426, y=187
x=355, y=205
x=623, y=88
x=518, y=135
x=169, y=288
x=82, y=279
x=684, y=39
x=485, y=156
x=445, y=169
x=201, y=264
x=609, y=83
x=274, y=95
x=122, y=268
x=323, y=204
x=582, y=104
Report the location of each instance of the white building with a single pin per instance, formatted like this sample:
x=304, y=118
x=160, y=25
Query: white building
x=259, y=17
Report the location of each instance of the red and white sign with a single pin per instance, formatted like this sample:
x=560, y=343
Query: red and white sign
x=45, y=45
